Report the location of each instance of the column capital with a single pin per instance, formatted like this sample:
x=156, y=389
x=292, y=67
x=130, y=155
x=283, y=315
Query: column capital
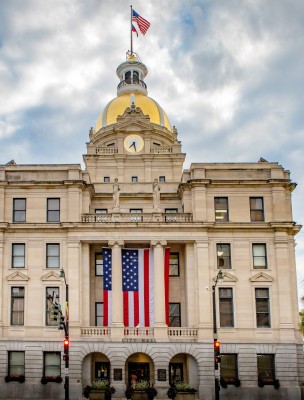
x=116, y=243
x=158, y=243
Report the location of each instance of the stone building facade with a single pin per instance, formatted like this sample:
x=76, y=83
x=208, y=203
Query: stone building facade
x=134, y=194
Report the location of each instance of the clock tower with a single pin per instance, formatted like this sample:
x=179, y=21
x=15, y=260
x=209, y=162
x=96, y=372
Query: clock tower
x=133, y=140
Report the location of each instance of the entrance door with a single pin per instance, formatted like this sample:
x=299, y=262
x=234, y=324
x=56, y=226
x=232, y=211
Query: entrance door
x=176, y=373
x=102, y=370
x=141, y=370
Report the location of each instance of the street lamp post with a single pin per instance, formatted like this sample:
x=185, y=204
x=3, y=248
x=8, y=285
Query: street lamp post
x=218, y=278
x=66, y=347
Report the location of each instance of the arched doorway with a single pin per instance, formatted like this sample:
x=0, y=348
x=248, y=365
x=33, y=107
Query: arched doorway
x=183, y=368
x=139, y=367
x=95, y=366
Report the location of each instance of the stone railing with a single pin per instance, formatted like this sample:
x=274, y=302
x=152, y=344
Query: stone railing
x=143, y=217
x=144, y=333
x=96, y=331
x=140, y=332
x=161, y=150
x=106, y=150
x=182, y=333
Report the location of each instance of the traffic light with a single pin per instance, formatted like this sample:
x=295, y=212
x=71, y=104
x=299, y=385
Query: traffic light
x=56, y=312
x=61, y=322
x=66, y=344
x=217, y=353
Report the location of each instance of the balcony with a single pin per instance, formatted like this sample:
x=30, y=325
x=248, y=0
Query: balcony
x=138, y=218
x=141, y=334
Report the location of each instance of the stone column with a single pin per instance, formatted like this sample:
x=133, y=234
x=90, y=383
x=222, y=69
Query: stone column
x=160, y=326
x=205, y=320
x=199, y=202
x=117, y=295
x=85, y=283
x=284, y=287
x=1, y=281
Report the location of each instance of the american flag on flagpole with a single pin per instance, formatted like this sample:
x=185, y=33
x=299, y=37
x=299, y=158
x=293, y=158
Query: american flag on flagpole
x=142, y=23
x=107, y=286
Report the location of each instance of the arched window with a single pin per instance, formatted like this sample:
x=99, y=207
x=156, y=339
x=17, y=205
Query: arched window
x=128, y=77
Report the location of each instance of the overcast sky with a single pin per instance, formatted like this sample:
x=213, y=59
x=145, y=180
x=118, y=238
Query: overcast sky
x=229, y=74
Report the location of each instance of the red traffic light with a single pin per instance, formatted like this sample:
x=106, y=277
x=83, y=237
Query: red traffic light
x=217, y=344
x=66, y=344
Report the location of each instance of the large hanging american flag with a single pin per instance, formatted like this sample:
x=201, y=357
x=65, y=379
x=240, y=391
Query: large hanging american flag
x=137, y=286
x=107, y=286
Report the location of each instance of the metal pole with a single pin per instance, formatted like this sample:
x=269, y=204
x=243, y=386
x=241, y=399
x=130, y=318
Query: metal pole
x=66, y=379
x=131, y=33
x=216, y=382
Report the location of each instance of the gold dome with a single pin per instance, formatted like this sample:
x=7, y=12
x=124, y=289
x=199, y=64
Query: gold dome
x=118, y=105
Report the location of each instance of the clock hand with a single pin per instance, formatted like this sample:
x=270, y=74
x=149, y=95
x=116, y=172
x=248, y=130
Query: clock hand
x=133, y=144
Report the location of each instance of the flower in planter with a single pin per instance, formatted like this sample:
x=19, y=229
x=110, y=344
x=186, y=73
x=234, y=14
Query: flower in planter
x=184, y=387
x=101, y=384
x=142, y=385
x=16, y=378
x=229, y=381
x=46, y=379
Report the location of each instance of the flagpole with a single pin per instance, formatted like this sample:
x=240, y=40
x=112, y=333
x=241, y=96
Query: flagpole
x=131, y=33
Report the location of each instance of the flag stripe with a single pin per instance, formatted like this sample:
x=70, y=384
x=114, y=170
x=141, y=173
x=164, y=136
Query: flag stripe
x=146, y=287
x=105, y=308
x=136, y=309
x=142, y=23
x=126, y=308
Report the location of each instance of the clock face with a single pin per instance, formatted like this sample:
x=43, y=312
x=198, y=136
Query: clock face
x=134, y=143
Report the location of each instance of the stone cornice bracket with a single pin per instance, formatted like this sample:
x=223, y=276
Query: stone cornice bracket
x=156, y=243
x=116, y=243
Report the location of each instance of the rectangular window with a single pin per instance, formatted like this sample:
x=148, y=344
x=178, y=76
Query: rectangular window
x=259, y=256
x=134, y=179
x=18, y=255
x=17, y=306
x=262, y=307
x=16, y=363
x=53, y=210
x=52, y=296
x=223, y=256
x=256, y=209
x=51, y=364
x=266, y=368
x=174, y=264
x=174, y=314
x=99, y=314
x=229, y=368
x=106, y=179
x=226, y=307
x=176, y=373
x=101, y=210
x=98, y=264
x=162, y=179
x=19, y=210
x=53, y=255
x=171, y=210
x=221, y=209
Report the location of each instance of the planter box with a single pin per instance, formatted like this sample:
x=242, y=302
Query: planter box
x=96, y=394
x=185, y=396
x=139, y=395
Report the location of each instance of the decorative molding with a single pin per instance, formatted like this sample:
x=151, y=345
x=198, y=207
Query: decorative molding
x=116, y=243
x=17, y=276
x=227, y=277
x=155, y=243
x=261, y=277
x=51, y=276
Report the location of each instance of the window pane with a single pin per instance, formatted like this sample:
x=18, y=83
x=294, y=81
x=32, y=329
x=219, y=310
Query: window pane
x=52, y=255
x=17, y=306
x=221, y=209
x=99, y=314
x=223, y=256
x=52, y=364
x=229, y=366
x=226, y=307
x=266, y=366
x=98, y=264
x=53, y=204
x=52, y=293
x=101, y=211
x=53, y=210
x=256, y=209
x=53, y=216
x=19, y=204
x=174, y=264
x=18, y=259
x=16, y=361
x=174, y=314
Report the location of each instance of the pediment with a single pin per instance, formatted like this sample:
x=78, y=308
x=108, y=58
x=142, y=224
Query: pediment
x=51, y=276
x=227, y=277
x=261, y=277
x=17, y=276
